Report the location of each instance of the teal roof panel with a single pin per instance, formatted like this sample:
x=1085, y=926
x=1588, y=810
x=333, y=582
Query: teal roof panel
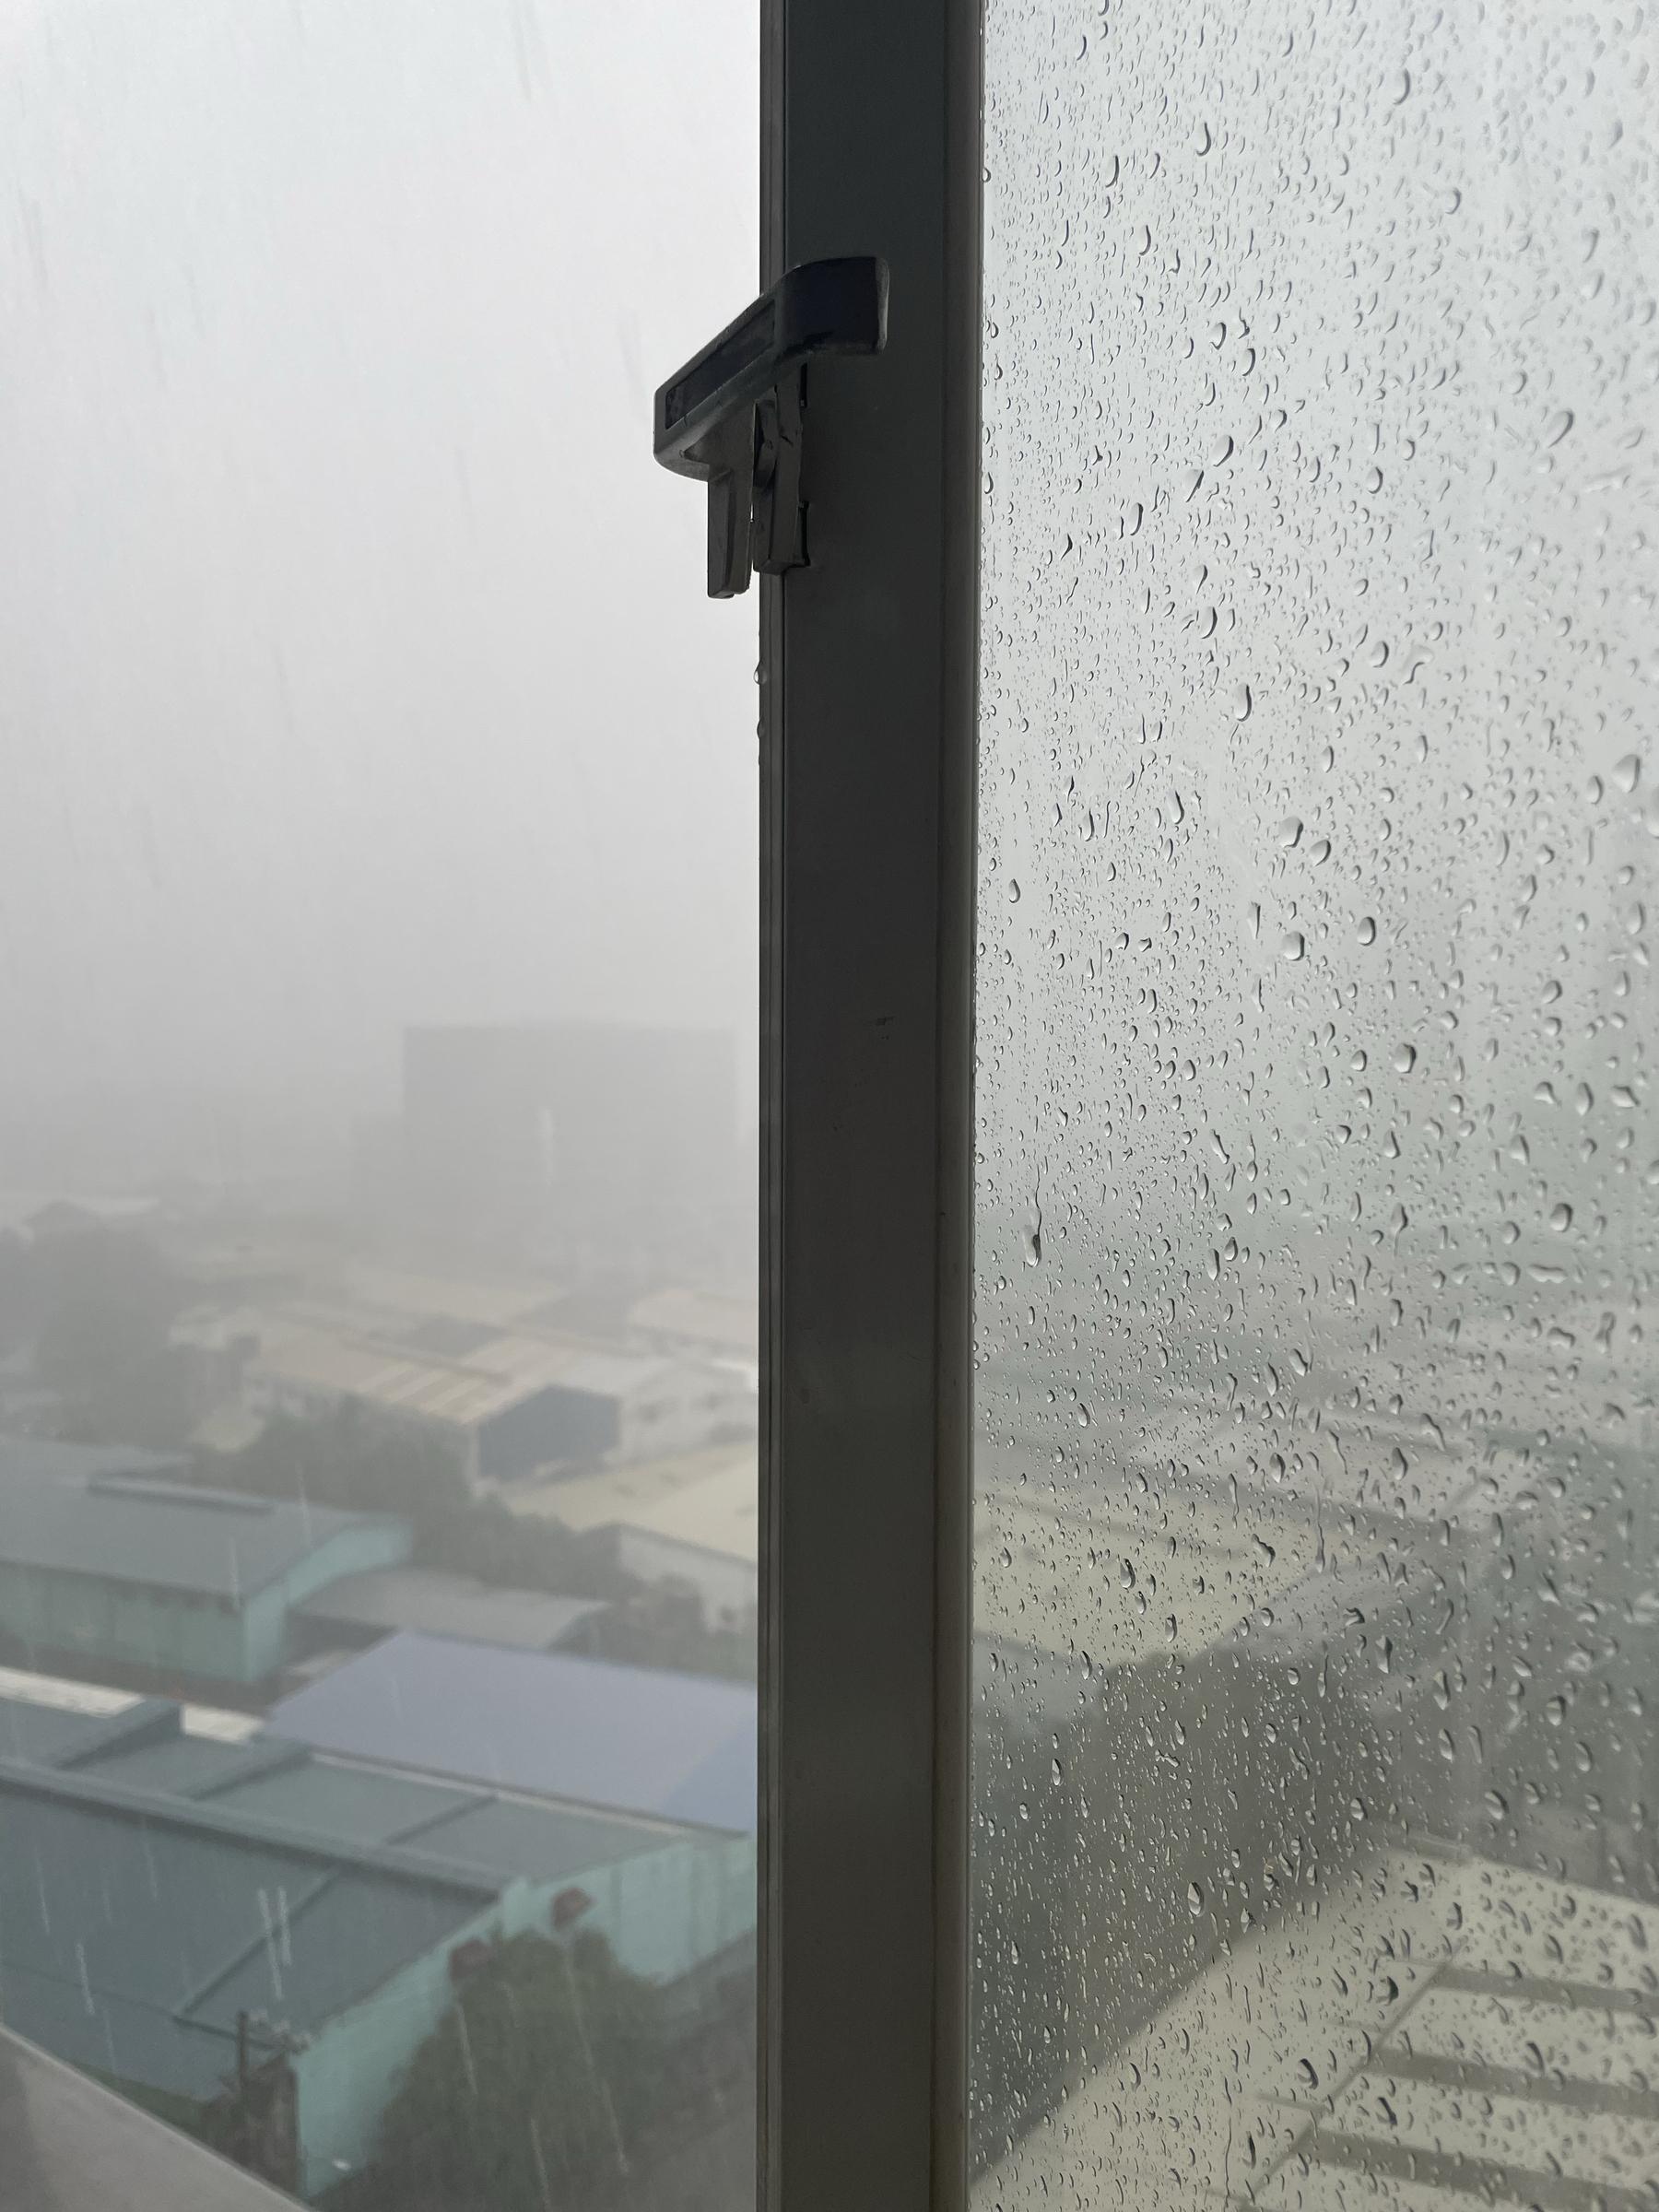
x=67, y=1508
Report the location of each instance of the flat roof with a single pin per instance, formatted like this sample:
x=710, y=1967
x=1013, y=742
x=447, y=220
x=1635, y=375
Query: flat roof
x=676, y=1747
x=120, y=1515
x=448, y=1604
x=709, y=1499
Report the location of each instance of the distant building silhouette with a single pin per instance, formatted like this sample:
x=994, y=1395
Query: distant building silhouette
x=589, y=1149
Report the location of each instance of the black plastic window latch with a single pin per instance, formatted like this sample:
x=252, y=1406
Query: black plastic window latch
x=732, y=415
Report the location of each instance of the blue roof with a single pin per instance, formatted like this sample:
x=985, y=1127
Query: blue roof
x=639, y=1739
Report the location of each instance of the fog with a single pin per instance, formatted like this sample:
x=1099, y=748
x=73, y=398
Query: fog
x=355, y=665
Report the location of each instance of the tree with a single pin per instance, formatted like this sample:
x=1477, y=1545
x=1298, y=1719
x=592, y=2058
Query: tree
x=539, y=2083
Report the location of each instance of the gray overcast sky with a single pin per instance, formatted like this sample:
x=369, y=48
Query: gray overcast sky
x=355, y=665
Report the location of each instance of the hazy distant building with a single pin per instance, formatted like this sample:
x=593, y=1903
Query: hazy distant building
x=509, y=1404
x=589, y=1147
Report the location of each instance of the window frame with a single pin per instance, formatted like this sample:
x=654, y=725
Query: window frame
x=871, y=136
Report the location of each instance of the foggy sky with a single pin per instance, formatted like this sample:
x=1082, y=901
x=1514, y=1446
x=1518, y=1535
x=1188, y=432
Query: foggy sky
x=355, y=665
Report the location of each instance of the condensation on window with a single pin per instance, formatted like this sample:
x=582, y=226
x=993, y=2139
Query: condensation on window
x=1316, y=1589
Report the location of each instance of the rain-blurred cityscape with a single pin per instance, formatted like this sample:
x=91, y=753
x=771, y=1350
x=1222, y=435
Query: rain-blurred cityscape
x=377, y=1622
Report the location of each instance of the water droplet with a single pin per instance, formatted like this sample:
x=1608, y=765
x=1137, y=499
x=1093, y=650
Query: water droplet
x=1584, y=1098
x=1014, y=894
x=1305, y=2067
x=1368, y=929
x=1056, y=1772
x=1240, y=702
x=1292, y=946
x=1561, y=1218
x=1289, y=831
x=1559, y=427
x=1194, y=1900
x=1497, y=1806
x=1400, y=87
x=1404, y=1059
x=1626, y=773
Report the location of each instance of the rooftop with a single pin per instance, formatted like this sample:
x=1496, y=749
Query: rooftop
x=256, y=1877
x=709, y=1499
x=502, y=1372
x=674, y=1745
x=123, y=1516
x=448, y=1604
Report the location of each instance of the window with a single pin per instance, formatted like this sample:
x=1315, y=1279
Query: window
x=1200, y=1561
x=379, y=989
x=1313, y=1732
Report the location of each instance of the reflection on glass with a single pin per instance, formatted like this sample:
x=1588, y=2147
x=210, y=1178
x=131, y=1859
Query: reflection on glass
x=377, y=1322
x=1316, y=1588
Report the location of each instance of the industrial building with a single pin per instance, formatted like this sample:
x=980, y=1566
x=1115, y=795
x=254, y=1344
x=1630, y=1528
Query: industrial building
x=637, y=1739
x=106, y=1555
x=186, y=1916
x=508, y=1402
x=691, y=1517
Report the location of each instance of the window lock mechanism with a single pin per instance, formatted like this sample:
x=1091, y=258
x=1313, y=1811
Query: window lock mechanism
x=732, y=415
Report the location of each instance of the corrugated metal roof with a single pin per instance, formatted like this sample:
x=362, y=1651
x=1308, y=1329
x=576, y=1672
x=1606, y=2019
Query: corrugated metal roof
x=462, y=1392
x=256, y=1877
x=585, y=1731
x=63, y=1507
x=448, y=1604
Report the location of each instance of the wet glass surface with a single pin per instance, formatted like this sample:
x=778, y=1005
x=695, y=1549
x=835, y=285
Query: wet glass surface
x=377, y=1101
x=1315, y=1580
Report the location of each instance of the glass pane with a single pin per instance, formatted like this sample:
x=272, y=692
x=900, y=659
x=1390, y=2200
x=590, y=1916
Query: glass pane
x=1316, y=1600
x=378, y=975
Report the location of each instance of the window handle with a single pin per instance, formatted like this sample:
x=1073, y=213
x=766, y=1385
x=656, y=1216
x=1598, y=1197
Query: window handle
x=732, y=415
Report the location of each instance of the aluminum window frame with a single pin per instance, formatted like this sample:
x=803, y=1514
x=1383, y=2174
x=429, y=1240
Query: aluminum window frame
x=870, y=144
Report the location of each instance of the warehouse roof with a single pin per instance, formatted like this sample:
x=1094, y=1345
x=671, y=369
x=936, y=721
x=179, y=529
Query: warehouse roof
x=448, y=1604
x=709, y=1499
x=119, y=1515
x=489, y=1379
x=584, y=1730
x=253, y=1877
